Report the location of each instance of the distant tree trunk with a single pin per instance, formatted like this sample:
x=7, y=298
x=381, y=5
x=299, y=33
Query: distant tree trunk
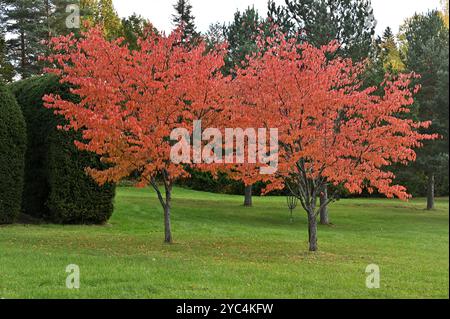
x=248, y=196
x=430, y=195
x=47, y=17
x=23, y=57
x=312, y=231
x=167, y=226
x=324, y=218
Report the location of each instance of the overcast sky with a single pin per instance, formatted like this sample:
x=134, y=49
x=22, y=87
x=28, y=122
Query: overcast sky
x=387, y=12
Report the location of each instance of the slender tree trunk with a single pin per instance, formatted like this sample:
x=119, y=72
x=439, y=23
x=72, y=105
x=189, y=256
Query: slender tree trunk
x=167, y=225
x=248, y=202
x=47, y=17
x=430, y=195
x=23, y=57
x=166, y=204
x=324, y=218
x=312, y=231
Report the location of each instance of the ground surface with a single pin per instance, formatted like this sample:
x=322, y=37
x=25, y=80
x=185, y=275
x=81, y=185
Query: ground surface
x=224, y=250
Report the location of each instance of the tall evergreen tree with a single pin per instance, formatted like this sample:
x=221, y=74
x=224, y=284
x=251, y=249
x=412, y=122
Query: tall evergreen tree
x=25, y=21
x=135, y=27
x=6, y=68
x=241, y=35
x=385, y=57
x=92, y=12
x=107, y=16
x=350, y=22
x=89, y=11
x=215, y=34
x=427, y=53
x=58, y=14
x=389, y=53
x=185, y=19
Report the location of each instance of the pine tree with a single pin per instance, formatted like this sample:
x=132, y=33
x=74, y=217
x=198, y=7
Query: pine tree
x=25, y=21
x=350, y=22
x=183, y=18
x=107, y=16
x=390, y=53
x=241, y=35
x=134, y=27
x=92, y=12
x=426, y=44
x=89, y=11
x=6, y=68
x=279, y=16
x=58, y=14
x=215, y=34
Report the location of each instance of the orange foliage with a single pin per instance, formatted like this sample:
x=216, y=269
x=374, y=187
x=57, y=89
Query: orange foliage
x=132, y=100
x=331, y=127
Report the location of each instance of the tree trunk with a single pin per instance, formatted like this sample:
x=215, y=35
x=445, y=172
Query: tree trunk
x=430, y=195
x=47, y=17
x=248, y=196
x=23, y=57
x=312, y=231
x=166, y=204
x=167, y=226
x=324, y=218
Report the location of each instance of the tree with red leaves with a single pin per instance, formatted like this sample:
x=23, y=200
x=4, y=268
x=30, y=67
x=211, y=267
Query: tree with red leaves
x=131, y=101
x=331, y=129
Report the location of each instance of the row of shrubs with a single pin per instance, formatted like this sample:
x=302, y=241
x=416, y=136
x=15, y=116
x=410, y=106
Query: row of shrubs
x=42, y=172
x=409, y=176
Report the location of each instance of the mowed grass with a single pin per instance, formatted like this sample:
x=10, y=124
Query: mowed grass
x=224, y=250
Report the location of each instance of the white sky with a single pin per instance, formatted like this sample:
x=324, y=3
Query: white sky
x=387, y=12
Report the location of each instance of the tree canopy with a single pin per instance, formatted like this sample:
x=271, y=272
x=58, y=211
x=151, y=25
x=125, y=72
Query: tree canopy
x=349, y=22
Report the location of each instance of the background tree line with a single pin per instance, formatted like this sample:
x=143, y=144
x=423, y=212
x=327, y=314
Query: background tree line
x=421, y=47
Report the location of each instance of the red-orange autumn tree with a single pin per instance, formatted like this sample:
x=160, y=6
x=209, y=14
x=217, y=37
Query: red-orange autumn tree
x=131, y=100
x=331, y=129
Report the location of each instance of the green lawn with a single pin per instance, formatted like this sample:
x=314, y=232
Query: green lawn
x=224, y=250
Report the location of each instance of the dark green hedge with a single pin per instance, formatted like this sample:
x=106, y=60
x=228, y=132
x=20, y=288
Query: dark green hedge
x=12, y=152
x=57, y=188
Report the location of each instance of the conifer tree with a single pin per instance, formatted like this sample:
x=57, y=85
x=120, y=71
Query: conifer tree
x=390, y=54
x=350, y=22
x=185, y=19
x=25, y=21
x=426, y=44
x=6, y=69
